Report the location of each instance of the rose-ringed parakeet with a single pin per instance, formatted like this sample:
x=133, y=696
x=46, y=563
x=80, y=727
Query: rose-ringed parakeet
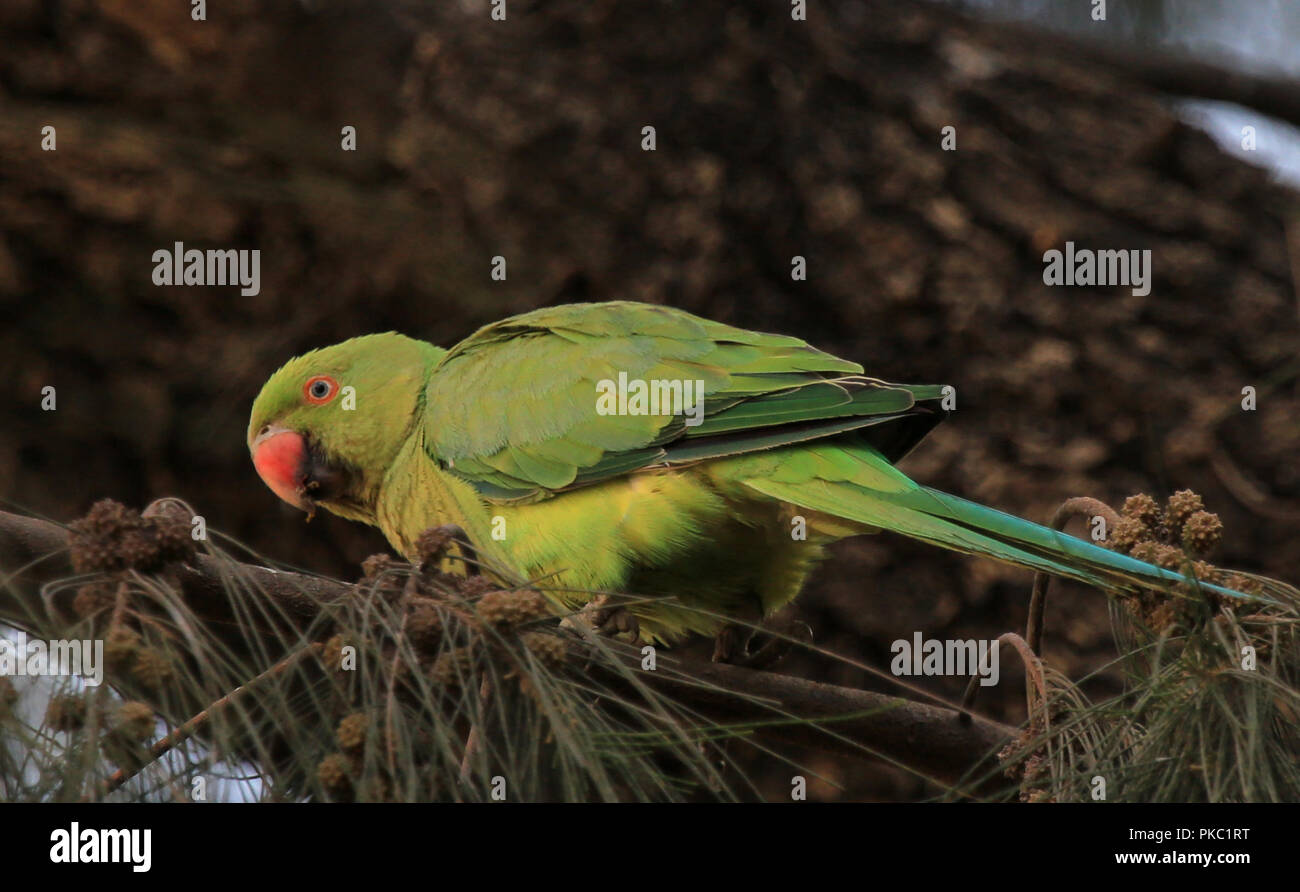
x=697, y=508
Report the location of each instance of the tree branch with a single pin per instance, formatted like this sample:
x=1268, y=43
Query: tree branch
x=949, y=746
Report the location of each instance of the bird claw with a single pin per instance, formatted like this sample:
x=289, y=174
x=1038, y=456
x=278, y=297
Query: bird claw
x=729, y=643
x=613, y=619
x=732, y=644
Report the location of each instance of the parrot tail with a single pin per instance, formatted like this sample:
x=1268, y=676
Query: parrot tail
x=859, y=485
x=1038, y=547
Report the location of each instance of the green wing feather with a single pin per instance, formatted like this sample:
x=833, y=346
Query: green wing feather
x=533, y=428
x=775, y=412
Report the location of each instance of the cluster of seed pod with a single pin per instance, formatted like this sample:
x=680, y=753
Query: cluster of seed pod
x=445, y=626
x=112, y=537
x=1179, y=537
x=443, y=609
x=65, y=712
x=1026, y=759
x=113, y=542
x=130, y=726
x=340, y=773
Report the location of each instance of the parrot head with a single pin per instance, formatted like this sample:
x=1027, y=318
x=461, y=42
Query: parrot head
x=327, y=425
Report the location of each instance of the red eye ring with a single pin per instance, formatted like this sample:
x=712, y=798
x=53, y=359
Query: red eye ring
x=317, y=396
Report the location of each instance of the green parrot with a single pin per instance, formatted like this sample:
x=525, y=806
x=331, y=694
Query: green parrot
x=632, y=448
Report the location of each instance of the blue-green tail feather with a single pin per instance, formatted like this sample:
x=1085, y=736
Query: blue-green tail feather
x=856, y=483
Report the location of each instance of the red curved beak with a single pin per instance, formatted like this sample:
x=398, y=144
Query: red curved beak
x=281, y=459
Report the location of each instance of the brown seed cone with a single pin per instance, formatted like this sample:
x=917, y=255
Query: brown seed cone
x=93, y=598
x=475, y=586
x=134, y=721
x=454, y=668
x=153, y=668
x=334, y=775
x=332, y=654
x=104, y=518
x=175, y=538
x=351, y=733
x=1160, y=617
x=121, y=647
x=139, y=549
x=510, y=608
x=424, y=626
x=550, y=650
x=1242, y=583
x=431, y=545
x=1202, y=532
x=1148, y=551
x=92, y=555
x=1128, y=532
x=1205, y=571
x=1142, y=508
x=377, y=565
x=65, y=712
x=1182, y=505
x=112, y=537
x=1169, y=557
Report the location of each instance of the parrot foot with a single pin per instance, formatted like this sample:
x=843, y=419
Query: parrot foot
x=613, y=619
x=780, y=632
x=730, y=643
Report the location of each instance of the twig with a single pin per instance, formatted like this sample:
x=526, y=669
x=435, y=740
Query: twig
x=473, y=740
x=1077, y=507
x=1035, y=680
x=196, y=723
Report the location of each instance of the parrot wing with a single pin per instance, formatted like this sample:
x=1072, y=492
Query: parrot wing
x=513, y=409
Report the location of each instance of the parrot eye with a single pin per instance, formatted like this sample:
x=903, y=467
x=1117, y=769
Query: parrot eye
x=320, y=389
